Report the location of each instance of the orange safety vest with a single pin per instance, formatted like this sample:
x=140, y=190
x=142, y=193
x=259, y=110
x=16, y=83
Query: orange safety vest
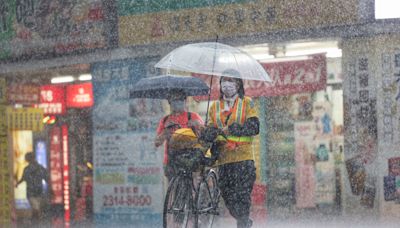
x=238, y=115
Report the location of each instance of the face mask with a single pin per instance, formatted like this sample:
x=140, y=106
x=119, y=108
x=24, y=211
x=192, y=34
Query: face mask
x=177, y=105
x=229, y=88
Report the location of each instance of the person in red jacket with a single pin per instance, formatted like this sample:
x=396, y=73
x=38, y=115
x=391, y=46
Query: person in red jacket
x=178, y=118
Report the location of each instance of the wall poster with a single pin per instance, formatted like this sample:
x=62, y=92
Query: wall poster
x=127, y=167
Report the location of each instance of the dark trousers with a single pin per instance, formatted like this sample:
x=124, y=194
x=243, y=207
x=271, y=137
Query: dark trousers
x=236, y=183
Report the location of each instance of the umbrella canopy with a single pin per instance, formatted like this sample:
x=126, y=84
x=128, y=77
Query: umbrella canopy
x=214, y=58
x=161, y=87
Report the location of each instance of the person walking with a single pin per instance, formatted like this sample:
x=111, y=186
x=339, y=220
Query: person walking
x=235, y=114
x=33, y=175
x=178, y=118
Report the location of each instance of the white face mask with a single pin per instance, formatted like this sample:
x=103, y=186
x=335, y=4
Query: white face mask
x=229, y=88
x=177, y=105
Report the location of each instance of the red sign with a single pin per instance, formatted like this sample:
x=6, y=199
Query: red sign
x=56, y=172
x=52, y=99
x=80, y=95
x=26, y=94
x=289, y=77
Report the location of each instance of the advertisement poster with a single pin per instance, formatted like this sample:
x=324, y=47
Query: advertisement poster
x=305, y=171
x=22, y=144
x=128, y=171
x=45, y=27
x=113, y=110
x=325, y=182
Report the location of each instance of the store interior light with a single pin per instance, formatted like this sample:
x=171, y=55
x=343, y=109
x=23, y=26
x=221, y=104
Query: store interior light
x=85, y=77
x=286, y=59
x=330, y=52
x=385, y=9
x=261, y=57
x=62, y=79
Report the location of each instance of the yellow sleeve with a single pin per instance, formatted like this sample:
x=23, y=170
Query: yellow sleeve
x=211, y=113
x=251, y=110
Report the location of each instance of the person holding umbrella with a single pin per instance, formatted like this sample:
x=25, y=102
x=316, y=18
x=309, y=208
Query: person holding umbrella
x=235, y=114
x=178, y=118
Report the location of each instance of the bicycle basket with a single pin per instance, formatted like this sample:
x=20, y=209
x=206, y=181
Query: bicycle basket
x=189, y=159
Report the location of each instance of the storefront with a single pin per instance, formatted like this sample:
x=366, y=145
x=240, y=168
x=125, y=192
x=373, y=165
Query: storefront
x=52, y=119
x=311, y=142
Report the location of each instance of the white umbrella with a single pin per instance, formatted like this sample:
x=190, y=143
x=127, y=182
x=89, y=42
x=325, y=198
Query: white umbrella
x=213, y=58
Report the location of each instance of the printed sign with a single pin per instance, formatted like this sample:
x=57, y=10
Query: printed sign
x=128, y=177
x=25, y=119
x=52, y=99
x=80, y=95
x=287, y=78
x=26, y=94
x=127, y=167
x=50, y=27
x=173, y=21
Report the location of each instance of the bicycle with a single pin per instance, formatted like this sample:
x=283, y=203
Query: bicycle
x=180, y=207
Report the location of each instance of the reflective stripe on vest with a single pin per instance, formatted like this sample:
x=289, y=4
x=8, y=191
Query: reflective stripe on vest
x=241, y=139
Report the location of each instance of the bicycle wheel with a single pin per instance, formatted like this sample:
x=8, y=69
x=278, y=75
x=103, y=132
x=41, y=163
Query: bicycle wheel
x=207, y=199
x=177, y=204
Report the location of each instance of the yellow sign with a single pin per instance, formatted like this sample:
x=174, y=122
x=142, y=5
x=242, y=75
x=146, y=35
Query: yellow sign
x=3, y=87
x=25, y=119
x=5, y=187
x=234, y=20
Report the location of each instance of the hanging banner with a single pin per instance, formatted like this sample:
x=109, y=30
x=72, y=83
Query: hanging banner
x=171, y=21
x=26, y=94
x=52, y=99
x=80, y=95
x=56, y=171
x=25, y=119
x=66, y=189
x=298, y=76
x=43, y=28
